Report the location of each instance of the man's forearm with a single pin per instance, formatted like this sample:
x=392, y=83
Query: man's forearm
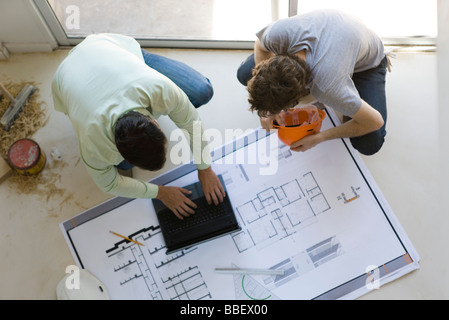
x=348, y=129
x=364, y=121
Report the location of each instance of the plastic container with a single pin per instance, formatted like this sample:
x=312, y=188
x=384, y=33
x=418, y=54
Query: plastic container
x=299, y=122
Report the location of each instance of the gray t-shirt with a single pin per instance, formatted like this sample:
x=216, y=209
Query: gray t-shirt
x=337, y=45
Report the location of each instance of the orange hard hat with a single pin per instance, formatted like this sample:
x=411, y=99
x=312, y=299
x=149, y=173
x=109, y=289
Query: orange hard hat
x=299, y=122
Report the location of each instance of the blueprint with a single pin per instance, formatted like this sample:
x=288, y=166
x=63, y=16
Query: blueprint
x=318, y=216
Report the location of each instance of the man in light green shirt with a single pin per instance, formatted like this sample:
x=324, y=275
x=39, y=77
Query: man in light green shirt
x=108, y=84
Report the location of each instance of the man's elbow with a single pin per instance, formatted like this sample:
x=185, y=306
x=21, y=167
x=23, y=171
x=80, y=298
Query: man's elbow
x=373, y=119
x=379, y=122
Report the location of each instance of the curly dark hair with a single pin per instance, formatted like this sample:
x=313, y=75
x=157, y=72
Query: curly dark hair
x=277, y=84
x=140, y=141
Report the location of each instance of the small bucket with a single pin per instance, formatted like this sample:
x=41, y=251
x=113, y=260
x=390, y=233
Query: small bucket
x=26, y=157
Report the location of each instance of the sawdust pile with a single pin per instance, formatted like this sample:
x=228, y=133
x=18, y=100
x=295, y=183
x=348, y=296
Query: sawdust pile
x=32, y=117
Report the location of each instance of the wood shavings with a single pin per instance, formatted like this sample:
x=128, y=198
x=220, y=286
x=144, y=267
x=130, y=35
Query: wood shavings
x=32, y=117
x=44, y=184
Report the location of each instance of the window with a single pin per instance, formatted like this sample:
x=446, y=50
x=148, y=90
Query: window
x=227, y=23
x=396, y=21
x=165, y=22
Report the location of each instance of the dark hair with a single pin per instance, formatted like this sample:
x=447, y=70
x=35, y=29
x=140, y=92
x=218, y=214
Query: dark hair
x=140, y=141
x=277, y=84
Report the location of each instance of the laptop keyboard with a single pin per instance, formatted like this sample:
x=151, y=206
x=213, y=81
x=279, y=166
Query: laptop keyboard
x=203, y=213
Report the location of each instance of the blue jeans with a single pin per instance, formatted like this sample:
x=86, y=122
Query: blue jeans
x=371, y=86
x=198, y=88
x=244, y=72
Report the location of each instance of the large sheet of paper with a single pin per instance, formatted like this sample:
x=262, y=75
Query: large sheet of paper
x=317, y=215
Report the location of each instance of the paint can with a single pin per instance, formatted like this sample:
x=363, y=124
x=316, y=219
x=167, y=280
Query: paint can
x=26, y=157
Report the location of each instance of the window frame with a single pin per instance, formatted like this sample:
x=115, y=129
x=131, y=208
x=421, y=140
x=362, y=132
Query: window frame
x=64, y=41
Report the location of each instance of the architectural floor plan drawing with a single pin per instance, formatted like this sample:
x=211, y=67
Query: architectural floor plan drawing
x=149, y=270
x=318, y=216
x=280, y=211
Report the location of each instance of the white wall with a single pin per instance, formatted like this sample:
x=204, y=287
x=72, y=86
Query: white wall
x=443, y=70
x=443, y=116
x=22, y=28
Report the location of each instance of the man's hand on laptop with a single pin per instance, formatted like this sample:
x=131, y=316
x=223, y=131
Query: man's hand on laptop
x=174, y=198
x=212, y=188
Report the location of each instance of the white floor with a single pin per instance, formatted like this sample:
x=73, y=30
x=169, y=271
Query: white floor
x=33, y=252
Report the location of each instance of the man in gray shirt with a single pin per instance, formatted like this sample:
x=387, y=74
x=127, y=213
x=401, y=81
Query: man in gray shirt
x=334, y=58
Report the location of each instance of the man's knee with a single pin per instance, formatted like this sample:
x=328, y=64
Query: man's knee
x=368, y=150
x=243, y=76
x=245, y=70
x=370, y=143
x=204, y=94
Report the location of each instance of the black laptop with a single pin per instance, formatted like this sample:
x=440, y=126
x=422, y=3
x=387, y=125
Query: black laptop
x=208, y=222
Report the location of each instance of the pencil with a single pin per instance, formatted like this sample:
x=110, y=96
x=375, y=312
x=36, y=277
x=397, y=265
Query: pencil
x=119, y=235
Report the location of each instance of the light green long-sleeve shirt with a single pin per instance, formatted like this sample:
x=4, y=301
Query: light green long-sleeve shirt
x=102, y=78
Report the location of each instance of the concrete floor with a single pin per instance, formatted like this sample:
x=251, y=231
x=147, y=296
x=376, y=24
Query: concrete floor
x=34, y=254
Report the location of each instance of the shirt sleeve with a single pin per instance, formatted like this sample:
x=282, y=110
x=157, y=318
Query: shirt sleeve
x=276, y=39
x=172, y=101
x=262, y=35
x=110, y=181
x=342, y=96
x=284, y=36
